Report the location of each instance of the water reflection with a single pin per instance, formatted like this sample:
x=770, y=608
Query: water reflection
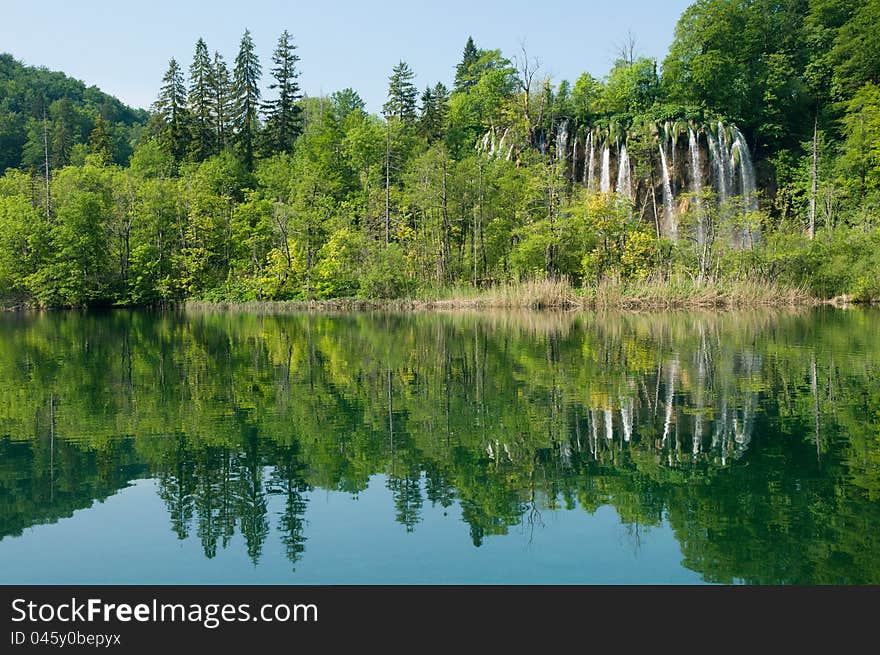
x=753, y=434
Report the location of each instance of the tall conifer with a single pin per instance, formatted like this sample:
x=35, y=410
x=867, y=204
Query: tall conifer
x=199, y=101
x=282, y=113
x=171, y=111
x=221, y=101
x=246, y=83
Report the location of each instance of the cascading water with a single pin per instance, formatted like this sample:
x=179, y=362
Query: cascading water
x=714, y=157
x=739, y=154
x=696, y=166
x=726, y=166
x=501, y=143
x=668, y=202
x=561, y=141
x=747, y=170
x=696, y=178
x=725, y=163
x=605, y=177
x=624, y=181
x=589, y=169
x=485, y=143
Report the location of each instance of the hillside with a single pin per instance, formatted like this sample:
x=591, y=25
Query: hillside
x=71, y=109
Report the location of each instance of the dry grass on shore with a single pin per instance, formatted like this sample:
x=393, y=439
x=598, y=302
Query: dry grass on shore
x=685, y=292
x=552, y=294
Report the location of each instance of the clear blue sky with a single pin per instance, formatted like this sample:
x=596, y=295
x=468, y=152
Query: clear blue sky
x=124, y=47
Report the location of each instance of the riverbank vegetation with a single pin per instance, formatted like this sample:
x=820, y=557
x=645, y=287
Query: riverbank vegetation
x=744, y=168
x=545, y=293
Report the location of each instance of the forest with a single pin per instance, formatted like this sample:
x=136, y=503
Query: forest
x=749, y=155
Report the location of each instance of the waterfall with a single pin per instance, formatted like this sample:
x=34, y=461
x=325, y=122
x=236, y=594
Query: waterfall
x=589, y=170
x=715, y=157
x=724, y=163
x=574, y=147
x=605, y=179
x=609, y=425
x=696, y=179
x=672, y=138
x=561, y=141
x=696, y=166
x=484, y=142
x=624, y=182
x=502, y=142
x=747, y=170
x=668, y=203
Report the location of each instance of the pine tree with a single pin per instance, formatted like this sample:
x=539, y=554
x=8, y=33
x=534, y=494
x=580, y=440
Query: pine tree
x=345, y=103
x=63, y=131
x=464, y=74
x=283, y=114
x=100, y=142
x=246, y=85
x=221, y=102
x=402, y=94
x=435, y=103
x=199, y=101
x=171, y=111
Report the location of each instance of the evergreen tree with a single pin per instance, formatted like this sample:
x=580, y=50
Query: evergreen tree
x=200, y=103
x=171, y=111
x=464, y=74
x=246, y=84
x=100, y=142
x=283, y=114
x=63, y=131
x=221, y=101
x=345, y=103
x=402, y=94
x=435, y=103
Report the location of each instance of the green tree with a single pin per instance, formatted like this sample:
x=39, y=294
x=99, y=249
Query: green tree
x=171, y=112
x=283, y=113
x=199, y=104
x=347, y=103
x=860, y=159
x=246, y=85
x=100, y=142
x=465, y=76
x=402, y=93
x=435, y=105
x=222, y=97
x=64, y=131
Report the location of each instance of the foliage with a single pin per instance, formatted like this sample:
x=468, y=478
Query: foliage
x=230, y=196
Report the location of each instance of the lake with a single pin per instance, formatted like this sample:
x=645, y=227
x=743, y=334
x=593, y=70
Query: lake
x=681, y=447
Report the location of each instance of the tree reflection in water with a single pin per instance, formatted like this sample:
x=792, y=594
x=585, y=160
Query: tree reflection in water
x=754, y=434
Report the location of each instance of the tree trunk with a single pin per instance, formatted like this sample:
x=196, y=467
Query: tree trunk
x=447, y=253
x=387, y=183
x=46, y=153
x=815, y=176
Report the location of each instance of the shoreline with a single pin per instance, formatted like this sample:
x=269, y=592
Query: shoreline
x=547, y=295
x=540, y=295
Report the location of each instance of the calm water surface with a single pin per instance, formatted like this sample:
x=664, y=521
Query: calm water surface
x=146, y=447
